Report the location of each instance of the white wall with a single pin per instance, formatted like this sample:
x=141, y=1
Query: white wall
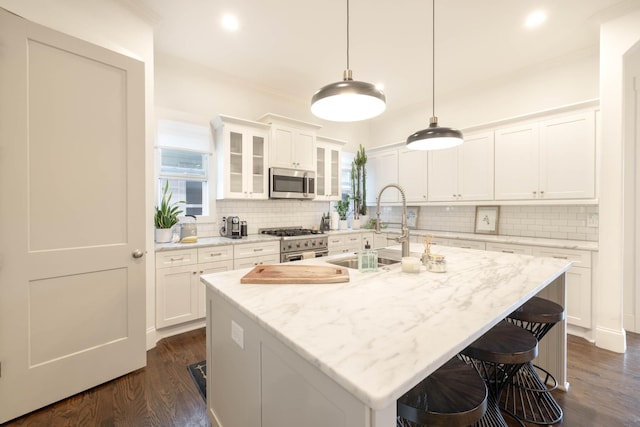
x=194, y=93
x=111, y=25
x=617, y=37
x=549, y=85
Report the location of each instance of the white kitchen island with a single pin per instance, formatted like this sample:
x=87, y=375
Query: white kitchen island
x=342, y=354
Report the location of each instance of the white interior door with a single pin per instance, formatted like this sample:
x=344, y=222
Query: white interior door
x=72, y=295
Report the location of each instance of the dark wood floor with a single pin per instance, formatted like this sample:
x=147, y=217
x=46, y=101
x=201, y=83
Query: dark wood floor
x=604, y=391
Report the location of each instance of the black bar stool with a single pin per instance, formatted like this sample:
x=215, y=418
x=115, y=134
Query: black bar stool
x=528, y=396
x=497, y=356
x=452, y=396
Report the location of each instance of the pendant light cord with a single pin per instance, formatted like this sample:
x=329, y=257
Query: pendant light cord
x=347, y=34
x=433, y=59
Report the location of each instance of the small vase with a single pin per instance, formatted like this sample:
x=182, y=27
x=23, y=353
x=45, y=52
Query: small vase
x=164, y=235
x=355, y=224
x=344, y=224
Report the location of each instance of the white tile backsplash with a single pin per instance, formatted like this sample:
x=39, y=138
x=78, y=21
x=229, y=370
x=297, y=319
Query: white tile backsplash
x=552, y=221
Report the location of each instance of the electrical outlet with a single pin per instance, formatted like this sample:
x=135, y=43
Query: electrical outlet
x=592, y=220
x=237, y=334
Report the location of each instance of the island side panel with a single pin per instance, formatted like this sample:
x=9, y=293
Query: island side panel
x=552, y=349
x=267, y=384
x=233, y=366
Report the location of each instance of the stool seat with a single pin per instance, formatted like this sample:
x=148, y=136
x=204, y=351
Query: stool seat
x=505, y=344
x=539, y=310
x=454, y=395
x=497, y=356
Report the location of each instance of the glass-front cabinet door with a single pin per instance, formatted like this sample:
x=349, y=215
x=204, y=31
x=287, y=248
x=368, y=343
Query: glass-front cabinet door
x=328, y=152
x=241, y=156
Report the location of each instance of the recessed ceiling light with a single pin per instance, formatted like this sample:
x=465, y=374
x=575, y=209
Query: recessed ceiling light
x=535, y=19
x=230, y=22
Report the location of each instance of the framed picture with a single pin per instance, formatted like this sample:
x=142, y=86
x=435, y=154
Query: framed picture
x=487, y=219
x=412, y=216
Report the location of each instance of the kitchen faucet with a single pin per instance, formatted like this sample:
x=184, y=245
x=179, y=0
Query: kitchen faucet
x=404, y=237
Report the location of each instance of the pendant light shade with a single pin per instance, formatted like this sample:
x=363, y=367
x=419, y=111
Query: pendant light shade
x=434, y=137
x=348, y=100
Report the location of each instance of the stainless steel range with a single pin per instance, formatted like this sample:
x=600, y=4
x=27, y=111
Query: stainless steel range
x=297, y=243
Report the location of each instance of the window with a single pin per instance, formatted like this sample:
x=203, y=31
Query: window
x=184, y=155
x=345, y=173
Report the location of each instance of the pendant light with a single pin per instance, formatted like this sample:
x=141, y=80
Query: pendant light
x=348, y=100
x=434, y=137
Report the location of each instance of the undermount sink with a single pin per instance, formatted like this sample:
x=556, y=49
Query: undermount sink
x=352, y=262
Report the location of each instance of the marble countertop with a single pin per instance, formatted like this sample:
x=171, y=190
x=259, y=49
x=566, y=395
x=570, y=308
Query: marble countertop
x=215, y=241
x=530, y=241
x=381, y=333
x=490, y=238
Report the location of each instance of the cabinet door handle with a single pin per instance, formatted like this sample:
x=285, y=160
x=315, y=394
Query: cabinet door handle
x=559, y=257
x=507, y=252
x=215, y=254
x=177, y=259
x=258, y=249
x=541, y=193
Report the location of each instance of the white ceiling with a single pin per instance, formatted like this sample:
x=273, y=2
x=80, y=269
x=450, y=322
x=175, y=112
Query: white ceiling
x=294, y=47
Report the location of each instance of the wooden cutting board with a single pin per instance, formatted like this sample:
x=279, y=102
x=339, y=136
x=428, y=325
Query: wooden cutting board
x=286, y=274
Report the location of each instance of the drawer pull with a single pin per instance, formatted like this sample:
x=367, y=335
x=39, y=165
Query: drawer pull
x=215, y=254
x=507, y=252
x=465, y=247
x=177, y=259
x=258, y=249
x=559, y=257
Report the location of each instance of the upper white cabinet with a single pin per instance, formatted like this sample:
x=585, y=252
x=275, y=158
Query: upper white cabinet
x=292, y=142
x=241, y=156
x=463, y=173
x=328, y=153
x=382, y=169
x=548, y=159
x=412, y=174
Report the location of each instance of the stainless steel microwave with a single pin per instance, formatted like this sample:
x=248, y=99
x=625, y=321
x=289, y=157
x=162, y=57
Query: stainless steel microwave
x=291, y=184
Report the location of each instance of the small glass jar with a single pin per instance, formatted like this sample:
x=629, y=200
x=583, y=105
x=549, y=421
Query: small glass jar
x=436, y=263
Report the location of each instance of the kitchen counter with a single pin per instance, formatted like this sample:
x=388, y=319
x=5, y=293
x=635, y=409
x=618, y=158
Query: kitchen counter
x=215, y=241
x=373, y=338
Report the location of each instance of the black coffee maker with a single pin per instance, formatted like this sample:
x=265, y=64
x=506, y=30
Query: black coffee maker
x=231, y=227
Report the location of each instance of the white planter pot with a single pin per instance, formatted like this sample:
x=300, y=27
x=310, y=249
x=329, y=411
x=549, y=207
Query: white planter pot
x=364, y=221
x=355, y=223
x=335, y=220
x=344, y=225
x=164, y=235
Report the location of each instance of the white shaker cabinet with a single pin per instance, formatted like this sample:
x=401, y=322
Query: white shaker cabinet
x=328, y=157
x=241, y=155
x=293, y=142
x=567, y=157
x=412, y=174
x=548, y=159
x=251, y=254
x=463, y=173
x=180, y=296
x=382, y=169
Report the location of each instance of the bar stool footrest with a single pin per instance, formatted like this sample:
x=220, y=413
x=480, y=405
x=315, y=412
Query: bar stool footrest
x=528, y=398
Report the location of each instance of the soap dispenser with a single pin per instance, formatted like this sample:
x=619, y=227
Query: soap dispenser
x=367, y=259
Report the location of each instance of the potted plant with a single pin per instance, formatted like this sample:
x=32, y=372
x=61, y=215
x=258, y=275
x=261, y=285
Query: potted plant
x=166, y=216
x=359, y=186
x=342, y=207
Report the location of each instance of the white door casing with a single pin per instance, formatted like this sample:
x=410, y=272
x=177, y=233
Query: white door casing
x=72, y=270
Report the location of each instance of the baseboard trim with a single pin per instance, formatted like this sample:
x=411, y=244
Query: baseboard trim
x=611, y=339
x=154, y=335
